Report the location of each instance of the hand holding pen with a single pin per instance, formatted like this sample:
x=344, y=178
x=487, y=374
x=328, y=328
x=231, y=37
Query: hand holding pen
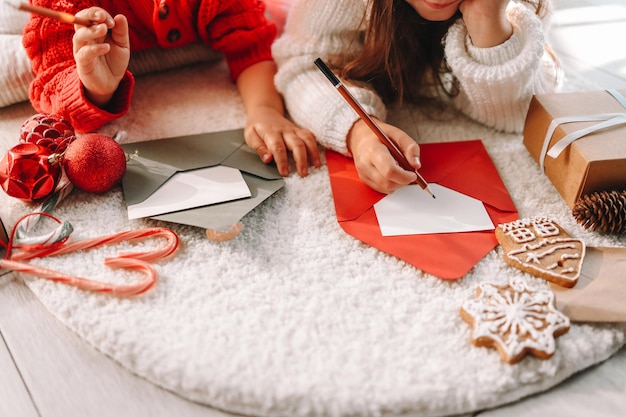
x=102, y=53
x=382, y=171
x=101, y=47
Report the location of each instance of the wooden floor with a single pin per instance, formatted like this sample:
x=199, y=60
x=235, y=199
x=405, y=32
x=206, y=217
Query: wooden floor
x=47, y=371
x=588, y=36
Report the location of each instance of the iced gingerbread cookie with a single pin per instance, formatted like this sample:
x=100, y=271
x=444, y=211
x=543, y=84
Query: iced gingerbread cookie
x=516, y=319
x=541, y=247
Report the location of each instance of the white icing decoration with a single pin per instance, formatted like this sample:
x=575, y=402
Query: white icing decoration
x=547, y=229
x=521, y=235
x=524, y=223
x=517, y=317
x=536, y=257
x=533, y=259
x=520, y=231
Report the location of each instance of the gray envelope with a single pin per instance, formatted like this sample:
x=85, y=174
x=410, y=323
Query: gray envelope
x=154, y=162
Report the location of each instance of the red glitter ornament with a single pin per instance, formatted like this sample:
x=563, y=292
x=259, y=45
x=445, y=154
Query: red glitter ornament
x=29, y=172
x=94, y=163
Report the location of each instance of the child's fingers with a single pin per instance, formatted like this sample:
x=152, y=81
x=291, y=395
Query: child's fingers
x=119, y=32
x=409, y=148
x=277, y=147
x=303, y=147
x=258, y=145
x=87, y=35
x=412, y=154
x=87, y=53
x=299, y=151
x=392, y=171
x=378, y=169
x=401, y=177
x=311, y=147
x=96, y=15
x=380, y=178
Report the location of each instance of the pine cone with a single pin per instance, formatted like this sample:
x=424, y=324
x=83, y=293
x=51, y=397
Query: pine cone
x=604, y=211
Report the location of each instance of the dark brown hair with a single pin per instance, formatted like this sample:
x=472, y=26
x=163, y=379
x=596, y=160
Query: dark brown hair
x=402, y=56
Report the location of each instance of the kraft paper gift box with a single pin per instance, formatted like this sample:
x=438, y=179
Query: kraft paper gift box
x=579, y=140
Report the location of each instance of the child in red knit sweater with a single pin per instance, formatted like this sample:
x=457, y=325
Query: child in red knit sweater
x=82, y=72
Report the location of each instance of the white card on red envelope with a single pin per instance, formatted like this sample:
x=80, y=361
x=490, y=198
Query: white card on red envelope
x=412, y=211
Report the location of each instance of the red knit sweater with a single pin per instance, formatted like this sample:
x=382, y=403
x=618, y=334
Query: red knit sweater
x=237, y=28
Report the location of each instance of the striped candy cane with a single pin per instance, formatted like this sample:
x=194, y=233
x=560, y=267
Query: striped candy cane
x=135, y=260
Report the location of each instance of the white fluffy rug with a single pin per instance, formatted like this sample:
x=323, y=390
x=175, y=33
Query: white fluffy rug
x=294, y=317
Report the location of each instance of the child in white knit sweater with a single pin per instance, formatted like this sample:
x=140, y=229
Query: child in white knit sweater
x=486, y=57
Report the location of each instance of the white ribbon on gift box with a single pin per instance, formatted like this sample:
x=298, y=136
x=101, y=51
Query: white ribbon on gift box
x=607, y=119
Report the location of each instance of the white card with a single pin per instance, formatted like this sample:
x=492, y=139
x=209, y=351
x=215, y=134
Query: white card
x=189, y=189
x=412, y=211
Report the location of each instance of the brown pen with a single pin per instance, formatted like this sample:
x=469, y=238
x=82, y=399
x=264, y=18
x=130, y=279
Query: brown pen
x=386, y=140
x=62, y=16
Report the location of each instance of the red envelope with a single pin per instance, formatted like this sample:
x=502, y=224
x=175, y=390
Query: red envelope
x=461, y=166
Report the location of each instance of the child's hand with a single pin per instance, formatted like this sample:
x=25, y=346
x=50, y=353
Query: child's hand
x=267, y=131
x=486, y=21
x=102, y=53
x=271, y=135
x=373, y=161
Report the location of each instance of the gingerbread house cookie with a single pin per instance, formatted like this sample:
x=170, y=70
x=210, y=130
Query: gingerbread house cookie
x=516, y=319
x=541, y=247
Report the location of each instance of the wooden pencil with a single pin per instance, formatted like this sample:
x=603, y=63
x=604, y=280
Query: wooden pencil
x=53, y=14
x=390, y=144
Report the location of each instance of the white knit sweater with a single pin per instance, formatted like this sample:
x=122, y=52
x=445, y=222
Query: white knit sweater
x=496, y=83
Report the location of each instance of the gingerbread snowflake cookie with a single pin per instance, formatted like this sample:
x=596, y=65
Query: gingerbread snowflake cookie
x=541, y=247
x=516, y=319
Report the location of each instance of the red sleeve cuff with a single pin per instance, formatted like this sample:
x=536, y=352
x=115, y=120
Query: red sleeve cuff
x=86, y=116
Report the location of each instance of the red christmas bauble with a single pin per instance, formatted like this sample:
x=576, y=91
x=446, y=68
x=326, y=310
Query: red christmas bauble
x=94, y=163
x=29, y=172
x=53, y=132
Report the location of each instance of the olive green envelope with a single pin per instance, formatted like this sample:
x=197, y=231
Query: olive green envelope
x=152, y=163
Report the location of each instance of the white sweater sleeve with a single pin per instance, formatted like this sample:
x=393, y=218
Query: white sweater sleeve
x=321, y=28
x=497, y=83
